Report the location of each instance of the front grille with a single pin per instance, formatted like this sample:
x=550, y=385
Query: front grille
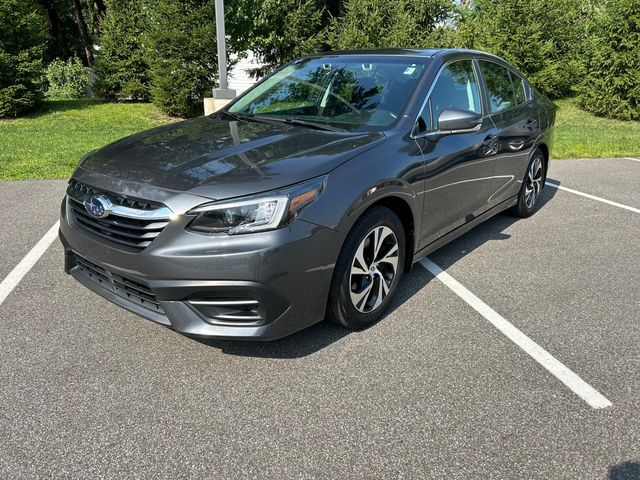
x=135, y=233
x=124, y=287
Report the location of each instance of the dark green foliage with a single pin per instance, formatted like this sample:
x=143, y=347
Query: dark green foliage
x=281, y=30
x=539, y=37
x=122, y=69
x=67, y=79
x=21, y=50
x=386, y=24
x=611, y=87
x=181, y=50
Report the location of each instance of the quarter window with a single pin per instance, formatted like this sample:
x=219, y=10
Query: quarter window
x=518, y=85
x=499, y=86
x=456, y=87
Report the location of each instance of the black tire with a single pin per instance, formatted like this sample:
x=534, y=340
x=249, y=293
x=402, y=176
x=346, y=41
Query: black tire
x=340, y=307
x=531, y=189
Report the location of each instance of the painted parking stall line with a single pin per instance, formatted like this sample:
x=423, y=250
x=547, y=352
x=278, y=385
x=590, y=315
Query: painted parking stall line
x=578, y=386
x=592, y=197
x=13, y=278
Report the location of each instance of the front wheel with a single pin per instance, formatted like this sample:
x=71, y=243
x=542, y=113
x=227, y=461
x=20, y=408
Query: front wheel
x=368, y=270
x=532, y=186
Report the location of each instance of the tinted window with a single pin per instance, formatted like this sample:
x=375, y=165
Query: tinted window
x=455, y=88
x=499, y=87
x=353, y=91
x=518, y=85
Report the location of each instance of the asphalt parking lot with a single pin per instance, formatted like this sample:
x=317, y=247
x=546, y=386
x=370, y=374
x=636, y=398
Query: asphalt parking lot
x=435, y=390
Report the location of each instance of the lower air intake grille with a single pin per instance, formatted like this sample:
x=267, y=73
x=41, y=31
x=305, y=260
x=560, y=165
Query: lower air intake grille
x=124, y=287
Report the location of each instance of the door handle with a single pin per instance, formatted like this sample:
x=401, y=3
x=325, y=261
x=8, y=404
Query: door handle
x=516, y=145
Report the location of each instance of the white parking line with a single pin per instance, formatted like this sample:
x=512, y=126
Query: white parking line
x=592, y=197
x=578, y=386
x=11, y=281
x=632, y=159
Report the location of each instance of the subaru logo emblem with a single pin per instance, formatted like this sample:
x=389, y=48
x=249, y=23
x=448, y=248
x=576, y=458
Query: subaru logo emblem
x=97, y=206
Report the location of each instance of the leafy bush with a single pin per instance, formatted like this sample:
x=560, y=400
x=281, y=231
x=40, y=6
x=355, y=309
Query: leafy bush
x=611, y=87
x=122, y=69
x=21, y=50
x=540, y=38
x=67, y=79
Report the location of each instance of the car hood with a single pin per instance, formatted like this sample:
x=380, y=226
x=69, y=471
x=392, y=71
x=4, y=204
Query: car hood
x=217, y=158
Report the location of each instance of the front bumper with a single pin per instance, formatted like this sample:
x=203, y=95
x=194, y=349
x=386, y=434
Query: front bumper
x=260, y=286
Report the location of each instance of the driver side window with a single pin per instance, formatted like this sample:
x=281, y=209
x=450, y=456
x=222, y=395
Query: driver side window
x=456, y=87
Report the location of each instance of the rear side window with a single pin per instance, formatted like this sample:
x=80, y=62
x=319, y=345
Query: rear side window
x=499, y=86
x=519, y=88
x=456, y=87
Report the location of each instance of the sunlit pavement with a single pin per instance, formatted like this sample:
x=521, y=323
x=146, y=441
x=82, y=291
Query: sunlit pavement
x=88, y=390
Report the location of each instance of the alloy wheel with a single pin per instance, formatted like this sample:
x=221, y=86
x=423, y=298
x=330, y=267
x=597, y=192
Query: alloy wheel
x=533, y=181
x=373, y=269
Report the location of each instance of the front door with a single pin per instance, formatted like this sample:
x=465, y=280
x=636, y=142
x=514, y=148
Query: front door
x=458, y=166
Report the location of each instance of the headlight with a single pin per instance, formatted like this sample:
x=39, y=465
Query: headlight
x=256, y=213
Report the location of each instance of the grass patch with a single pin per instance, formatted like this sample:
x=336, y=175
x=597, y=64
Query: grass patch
x=579, y=134
x=49, y=144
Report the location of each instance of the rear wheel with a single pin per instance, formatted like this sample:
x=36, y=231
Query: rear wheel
x=368, y=270
x=532, y=186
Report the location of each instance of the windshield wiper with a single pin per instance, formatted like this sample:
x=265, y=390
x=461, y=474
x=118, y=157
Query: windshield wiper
x=247, y=118
x=304, y=123
x=271, y=120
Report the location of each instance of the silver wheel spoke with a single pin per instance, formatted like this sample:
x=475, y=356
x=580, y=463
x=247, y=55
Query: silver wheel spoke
x=391, y=258
x=359, y=265
x=376, y=242
x=381, y=294
x=360, y=299
x=385, y=287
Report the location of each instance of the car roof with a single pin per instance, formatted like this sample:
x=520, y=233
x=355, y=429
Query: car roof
x=411, y=52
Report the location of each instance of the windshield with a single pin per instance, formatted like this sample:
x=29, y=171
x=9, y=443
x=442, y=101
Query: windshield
x=346, y=91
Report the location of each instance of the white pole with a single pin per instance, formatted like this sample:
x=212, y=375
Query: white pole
x=222, y=49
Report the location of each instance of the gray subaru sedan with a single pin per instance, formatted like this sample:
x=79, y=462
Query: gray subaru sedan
x=308, y=196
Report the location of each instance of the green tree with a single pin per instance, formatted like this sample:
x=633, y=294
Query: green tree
x=540, y=38
x=280, y=30
x=122, y=69
x=381, y=23
x=181, y=50
x=611, y=87
x=21, y=49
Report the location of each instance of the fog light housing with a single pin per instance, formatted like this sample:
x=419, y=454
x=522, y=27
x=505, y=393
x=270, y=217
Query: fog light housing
x=230, y=311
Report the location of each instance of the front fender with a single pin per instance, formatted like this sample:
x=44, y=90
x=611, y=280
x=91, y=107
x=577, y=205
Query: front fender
x=364, y=181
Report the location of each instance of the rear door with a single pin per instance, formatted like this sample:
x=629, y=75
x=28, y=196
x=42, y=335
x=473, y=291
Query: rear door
x=513, y=113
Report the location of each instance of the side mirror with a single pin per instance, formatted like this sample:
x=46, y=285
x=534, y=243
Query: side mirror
x=452, y=120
